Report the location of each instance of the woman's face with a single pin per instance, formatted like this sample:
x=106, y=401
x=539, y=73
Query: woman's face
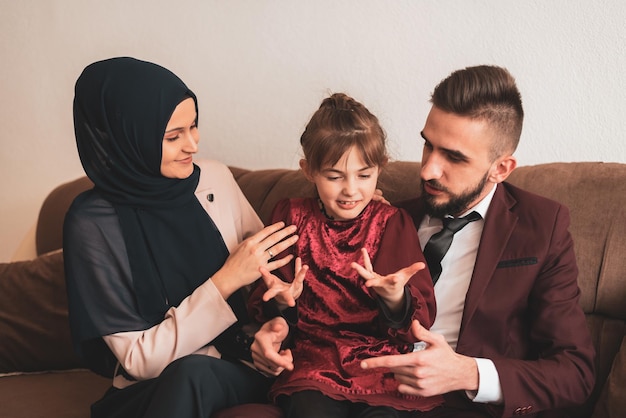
x=180, y=141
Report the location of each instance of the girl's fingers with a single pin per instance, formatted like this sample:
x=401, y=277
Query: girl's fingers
x=367, y=263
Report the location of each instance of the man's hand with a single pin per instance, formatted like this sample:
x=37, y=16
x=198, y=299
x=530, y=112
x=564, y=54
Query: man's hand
x=378, y=196
x=433, y=371
x=266, y=352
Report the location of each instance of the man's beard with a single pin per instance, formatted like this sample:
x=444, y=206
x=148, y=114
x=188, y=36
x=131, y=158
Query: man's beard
x=457, y=203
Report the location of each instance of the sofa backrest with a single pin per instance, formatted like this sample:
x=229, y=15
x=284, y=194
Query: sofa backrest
x=595, y=193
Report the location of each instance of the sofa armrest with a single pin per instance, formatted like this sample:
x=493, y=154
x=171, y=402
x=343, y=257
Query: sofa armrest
x=612, y=402
x=49, y=235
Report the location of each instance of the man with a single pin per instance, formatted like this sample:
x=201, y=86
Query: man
x=510, y=337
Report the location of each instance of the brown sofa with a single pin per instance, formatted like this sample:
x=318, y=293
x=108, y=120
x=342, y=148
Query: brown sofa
x=41, y=377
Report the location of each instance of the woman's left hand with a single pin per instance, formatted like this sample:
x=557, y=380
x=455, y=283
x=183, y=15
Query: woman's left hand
x=242, y=265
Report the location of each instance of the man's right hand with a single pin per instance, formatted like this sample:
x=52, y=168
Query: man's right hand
x=266, y=353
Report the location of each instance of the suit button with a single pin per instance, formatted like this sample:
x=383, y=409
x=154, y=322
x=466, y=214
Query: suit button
x=523, y=410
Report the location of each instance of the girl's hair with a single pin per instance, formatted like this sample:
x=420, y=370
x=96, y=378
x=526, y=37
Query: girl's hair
x=339, y=124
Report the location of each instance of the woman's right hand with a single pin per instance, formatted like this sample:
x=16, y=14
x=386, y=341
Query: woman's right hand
x=242, y=266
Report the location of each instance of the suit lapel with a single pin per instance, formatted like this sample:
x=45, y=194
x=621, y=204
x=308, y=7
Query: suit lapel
x=496, y=234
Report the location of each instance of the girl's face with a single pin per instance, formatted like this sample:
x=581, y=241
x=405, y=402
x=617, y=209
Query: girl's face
x=180, y=141
x=347, y=187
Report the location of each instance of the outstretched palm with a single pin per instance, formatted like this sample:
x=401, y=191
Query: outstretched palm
x=285, y=293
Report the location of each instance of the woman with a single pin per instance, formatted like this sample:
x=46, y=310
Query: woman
x=157, y=252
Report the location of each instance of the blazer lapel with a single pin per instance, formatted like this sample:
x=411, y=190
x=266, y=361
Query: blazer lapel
x=496, y=233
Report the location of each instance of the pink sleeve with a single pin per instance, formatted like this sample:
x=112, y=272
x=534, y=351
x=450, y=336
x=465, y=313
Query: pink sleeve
x=186, y=329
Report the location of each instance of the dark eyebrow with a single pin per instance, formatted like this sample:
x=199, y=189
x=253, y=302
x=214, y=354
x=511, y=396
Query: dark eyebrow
x=180, y=128
x=174, y=130
x=457, y=155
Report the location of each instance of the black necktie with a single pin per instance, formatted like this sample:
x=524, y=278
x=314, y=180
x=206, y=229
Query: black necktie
x=438, y=244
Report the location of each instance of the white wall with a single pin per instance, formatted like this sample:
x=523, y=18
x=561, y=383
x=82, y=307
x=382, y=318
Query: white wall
x=260, y=69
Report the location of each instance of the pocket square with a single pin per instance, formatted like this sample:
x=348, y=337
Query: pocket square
x=517, y=262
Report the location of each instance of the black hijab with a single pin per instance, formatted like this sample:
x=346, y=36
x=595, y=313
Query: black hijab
x=121, y=109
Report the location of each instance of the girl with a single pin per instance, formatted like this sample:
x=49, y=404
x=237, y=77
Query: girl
x=343, y=318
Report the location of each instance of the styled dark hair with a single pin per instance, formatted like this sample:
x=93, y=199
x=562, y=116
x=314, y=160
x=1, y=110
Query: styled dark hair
x=339, y=124
x=488, y=93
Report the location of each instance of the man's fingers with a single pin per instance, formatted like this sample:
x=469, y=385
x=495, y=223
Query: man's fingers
x=425, y=335
x=392, y=361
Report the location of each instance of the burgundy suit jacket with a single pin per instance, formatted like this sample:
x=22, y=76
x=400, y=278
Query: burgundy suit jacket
x=522, y=308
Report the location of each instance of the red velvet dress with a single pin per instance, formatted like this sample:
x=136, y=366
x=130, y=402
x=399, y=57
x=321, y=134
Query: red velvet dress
x=340, y=322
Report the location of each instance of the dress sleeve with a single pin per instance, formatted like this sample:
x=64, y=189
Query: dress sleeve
x=399, y=248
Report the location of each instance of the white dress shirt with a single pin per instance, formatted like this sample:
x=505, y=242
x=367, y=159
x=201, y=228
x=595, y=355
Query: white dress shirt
x=450, y=290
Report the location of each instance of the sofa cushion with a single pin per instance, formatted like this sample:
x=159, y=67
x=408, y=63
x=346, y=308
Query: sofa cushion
x=33, y=316
x=66, y=394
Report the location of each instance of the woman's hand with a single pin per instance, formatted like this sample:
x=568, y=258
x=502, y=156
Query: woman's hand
x=284, y=292
x=390, y=287
x=243, y=265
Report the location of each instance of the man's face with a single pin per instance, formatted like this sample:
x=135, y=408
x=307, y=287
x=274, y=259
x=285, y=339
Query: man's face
x=457, y=168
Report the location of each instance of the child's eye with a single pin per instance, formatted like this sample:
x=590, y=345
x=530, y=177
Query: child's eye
x=365, y=176
x=332, y=178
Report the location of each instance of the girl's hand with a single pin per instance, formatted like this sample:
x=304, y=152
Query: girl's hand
x=390, y=287
x=266, y=352
x=285, y=293
x=243, y=265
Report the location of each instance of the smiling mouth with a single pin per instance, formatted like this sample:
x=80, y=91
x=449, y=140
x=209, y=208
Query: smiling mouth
x=350, y=203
